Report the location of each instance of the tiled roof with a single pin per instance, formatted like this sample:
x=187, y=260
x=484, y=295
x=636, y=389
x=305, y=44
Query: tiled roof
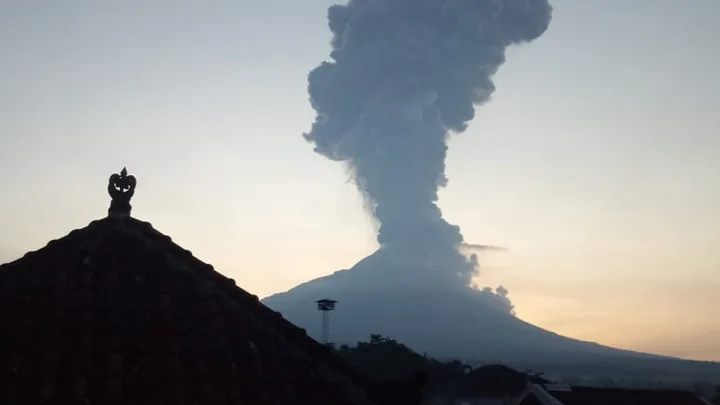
x=626, y=396
x=116, y=313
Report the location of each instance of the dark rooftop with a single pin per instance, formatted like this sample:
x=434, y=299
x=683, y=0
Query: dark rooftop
x=492, y=380
x=116, y=313
x=626, y=396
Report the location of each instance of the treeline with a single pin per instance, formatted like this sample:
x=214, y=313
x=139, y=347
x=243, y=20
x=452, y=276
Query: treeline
x=384, y=358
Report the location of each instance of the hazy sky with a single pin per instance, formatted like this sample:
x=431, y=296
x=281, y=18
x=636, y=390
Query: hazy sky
x=597, y=163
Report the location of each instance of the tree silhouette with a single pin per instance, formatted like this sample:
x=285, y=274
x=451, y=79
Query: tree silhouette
x=385, y=359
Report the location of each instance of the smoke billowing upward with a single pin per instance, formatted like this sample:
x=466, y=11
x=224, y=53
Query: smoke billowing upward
x=404, y=74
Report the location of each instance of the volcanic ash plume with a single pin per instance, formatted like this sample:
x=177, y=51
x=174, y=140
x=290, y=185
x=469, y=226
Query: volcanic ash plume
x=403, y=75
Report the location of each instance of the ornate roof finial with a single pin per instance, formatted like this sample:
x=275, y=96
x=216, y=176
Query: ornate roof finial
x=121, y=188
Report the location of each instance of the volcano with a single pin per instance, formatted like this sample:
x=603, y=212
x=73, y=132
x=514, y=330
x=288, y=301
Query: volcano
x=442, y=320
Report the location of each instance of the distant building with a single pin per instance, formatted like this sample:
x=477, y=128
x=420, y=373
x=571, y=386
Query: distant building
x=538, y=394
x=487, y=385
x=501, y=385
x=116, y=313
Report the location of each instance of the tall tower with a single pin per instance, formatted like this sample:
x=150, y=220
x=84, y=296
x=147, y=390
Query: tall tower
x=325, y=305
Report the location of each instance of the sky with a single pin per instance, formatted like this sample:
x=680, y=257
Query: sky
x=596, y=163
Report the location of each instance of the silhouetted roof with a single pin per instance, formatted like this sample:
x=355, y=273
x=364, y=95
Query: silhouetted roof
x=491, y=380
x=116, y=313
x=537, y=379
x=626, y=396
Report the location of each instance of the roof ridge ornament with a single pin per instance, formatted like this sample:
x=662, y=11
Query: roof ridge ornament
x=121, y=188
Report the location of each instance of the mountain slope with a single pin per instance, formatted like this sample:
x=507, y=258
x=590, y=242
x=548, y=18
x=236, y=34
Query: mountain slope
x=441, y=320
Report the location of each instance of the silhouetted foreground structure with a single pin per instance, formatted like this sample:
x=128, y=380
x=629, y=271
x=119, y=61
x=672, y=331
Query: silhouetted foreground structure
x=486, y=385
x=501, y=385
x=116, y=313
x=572, y=395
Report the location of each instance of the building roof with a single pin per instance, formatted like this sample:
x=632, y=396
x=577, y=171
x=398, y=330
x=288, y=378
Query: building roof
x=617, y=396
x=492, y=380
x=116, y=313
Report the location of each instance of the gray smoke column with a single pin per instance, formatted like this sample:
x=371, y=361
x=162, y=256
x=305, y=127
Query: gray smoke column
x=404, y=74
